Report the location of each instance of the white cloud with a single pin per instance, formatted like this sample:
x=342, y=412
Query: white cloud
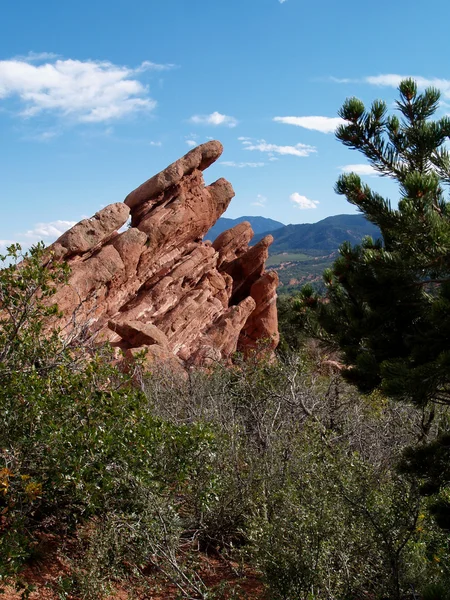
x=323, y=124
x=359, y=169
x=215, y=119
x=191, y=143
x=45, y=232
x=52, y=230
x=156, y=144
x=241, y=165
x=281, y=1
x=302, y=202
x=384, y=80
x=394, y=79
x=260, y=201
x=86, y=91
x=263, y=146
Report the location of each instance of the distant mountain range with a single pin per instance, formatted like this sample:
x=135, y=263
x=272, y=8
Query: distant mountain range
x=300, y=253
x=259, y=225
x=323, y=237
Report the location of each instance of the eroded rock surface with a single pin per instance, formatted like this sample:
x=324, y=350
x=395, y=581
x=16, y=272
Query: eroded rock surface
x=157, y=285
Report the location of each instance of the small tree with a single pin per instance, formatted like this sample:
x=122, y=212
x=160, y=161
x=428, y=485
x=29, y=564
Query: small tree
x=387, y=304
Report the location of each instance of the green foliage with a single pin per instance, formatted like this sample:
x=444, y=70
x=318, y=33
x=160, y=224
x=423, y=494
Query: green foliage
x=345, y=541
x=388, y=301
x=271, y=464
x=304, y=482
x=75, y=432
x=25, y=289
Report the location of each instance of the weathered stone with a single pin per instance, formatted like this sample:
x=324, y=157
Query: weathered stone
x=88, y=233
x=247, y=268
x=136, y=334
x=234, y=242
x=199, y=158
x=262, y=324
x=157, y=286
x=221, y=339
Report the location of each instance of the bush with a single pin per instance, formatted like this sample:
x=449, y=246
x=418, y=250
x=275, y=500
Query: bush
x=75, y=431
x=304, y=481
x=273, y=464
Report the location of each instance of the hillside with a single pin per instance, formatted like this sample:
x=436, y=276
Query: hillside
x=300, y=253
x=259, y=225
x=323, y=237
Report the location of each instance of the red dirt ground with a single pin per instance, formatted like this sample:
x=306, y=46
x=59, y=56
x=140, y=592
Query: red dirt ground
x=44, y=573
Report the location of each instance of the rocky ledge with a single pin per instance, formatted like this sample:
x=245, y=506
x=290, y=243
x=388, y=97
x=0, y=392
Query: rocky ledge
x=157, y=285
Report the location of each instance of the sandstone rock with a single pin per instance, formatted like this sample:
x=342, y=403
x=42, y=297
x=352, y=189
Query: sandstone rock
x=136, y=334
x=185, y=215
x=221, y=339
x=247, y=268
x=234, y=242
x=262, y=325
x=200, y=158
x=88, y=233
x=157, y=286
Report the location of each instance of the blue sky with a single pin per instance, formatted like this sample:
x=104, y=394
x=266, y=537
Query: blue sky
x=96, y=97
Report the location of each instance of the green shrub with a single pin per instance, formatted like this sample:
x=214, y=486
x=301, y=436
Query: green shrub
x=75, y=432
x=273, y=464
x=304, y=479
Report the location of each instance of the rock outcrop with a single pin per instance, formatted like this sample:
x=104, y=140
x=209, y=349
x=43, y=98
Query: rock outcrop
x=157, y=285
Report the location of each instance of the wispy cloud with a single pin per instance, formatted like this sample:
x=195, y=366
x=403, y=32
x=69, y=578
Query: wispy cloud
x=42, y=135
x=45, y=231
x=342, y=80
x=302, y=202
x=260, y=201
x=191, y=143
x=281, y=1
x=215, y=118
x=301, y=150
x=37, y=56
x=359, y=169
x=85, y=91
x=242, y=165
x=394, y=79
x=41, y=232
x=151, y=66
x=322, y=124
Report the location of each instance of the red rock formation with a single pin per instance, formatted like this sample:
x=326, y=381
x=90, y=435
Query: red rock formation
x=158, y=286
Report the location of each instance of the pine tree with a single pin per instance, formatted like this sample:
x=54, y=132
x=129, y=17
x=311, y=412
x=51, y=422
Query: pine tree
x=388, y=301
x=387, y=304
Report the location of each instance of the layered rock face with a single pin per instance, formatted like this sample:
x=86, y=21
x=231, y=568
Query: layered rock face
x=157, y=285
